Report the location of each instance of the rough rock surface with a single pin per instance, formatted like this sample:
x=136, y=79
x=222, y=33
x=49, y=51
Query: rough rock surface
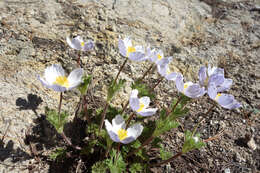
x=223, y=33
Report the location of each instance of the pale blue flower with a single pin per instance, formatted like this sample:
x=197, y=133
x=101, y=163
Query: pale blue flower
x=118, y=132
x=140, y=105
x=155, y=56
x=127, y=49
x=78, y=44
x=214, y=75
x=192, y=90
x=54, y=78
x=164, y=70
x=225, y=100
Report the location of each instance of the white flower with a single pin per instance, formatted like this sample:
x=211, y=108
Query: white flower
x=78, y=44
x=141, y=105
x=155, y=56
x=134, y=53
x=192, y=90
x=54, y=78
x=118, y=133
x=196, y=139
x=164, y=70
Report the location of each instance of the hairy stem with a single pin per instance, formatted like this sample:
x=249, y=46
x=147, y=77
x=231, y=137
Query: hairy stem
x=78, y=61
x=147, y=71
x=129, y=119
x=118, y=150
x=103, y=116
x=59, y=108
x=121, y=68
x=125, y=106
x=69, y=142
x=175, y=105
x=160, y=80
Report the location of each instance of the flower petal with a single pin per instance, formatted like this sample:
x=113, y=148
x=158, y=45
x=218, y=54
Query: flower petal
x=113, y=136
x=145, y=100
x=214, y=70
x=202, y=75
x=225, y=85
x=147, y=112
x=217, y=79
x=52, y=72
x=194, y=91
x=228, y=101
x=137, y=56
x=171, y=76
x=128, y=140
x=179, y=83
x=74, y=43
x=212, y=91
x=134, y=101
x=88, y=46
x=118, y=123
x=75, y=77
x=135, y=130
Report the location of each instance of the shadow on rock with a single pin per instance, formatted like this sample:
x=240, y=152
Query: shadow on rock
x=31, y=103
x=42, y=134
x=8, y=151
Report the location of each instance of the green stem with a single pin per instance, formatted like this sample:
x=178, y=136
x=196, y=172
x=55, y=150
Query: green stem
x=168, y=160
x=59, y=108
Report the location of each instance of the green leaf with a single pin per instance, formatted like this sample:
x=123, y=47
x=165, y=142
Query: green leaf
x=83, y=87
x=156, y=142
x=164, y=154
x=136, y=144
x=53, y=117
x=136, y=167
x=143, y=89
x=89, y=149
x=100, y=167
x=164, y=124
x=58, y=154
x=114, y=87
x=192, y=142
x=116, y=163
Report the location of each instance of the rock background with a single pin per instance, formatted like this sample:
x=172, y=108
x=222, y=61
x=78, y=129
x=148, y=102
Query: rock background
x=195, y=33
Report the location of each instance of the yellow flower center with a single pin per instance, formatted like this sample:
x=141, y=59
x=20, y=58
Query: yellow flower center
x=82, y=44
x=217, y=96
x=186, y=86
x=62, y=81
x=159, y=56
x=122, y=134
x=130, y=49
x=141, y=107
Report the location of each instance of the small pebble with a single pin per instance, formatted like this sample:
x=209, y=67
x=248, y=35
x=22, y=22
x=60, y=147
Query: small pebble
x=251, y=144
